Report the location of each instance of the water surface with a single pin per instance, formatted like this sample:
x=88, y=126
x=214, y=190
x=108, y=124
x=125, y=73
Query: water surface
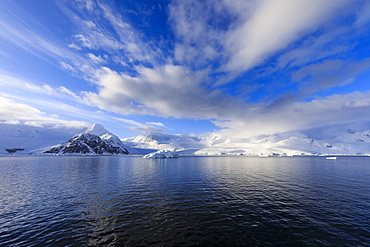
x=189, y=201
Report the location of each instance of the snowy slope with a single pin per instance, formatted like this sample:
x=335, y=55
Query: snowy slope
x=295, y=143
x=20, y=136
x=24, y=139
x=151, y=141
x=290, y=143
x=94, y=141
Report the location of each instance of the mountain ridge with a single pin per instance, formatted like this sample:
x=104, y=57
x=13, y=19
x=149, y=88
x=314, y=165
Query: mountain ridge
x=24, y=140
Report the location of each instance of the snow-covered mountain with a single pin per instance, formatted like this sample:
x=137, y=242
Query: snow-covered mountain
x=151, y=141
x=24, y=139
x=94, y=141
x=348, y=142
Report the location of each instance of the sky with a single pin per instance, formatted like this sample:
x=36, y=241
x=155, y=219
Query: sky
x=235, y=68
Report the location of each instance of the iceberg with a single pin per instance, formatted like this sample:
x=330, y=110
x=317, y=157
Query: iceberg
x=161, y=154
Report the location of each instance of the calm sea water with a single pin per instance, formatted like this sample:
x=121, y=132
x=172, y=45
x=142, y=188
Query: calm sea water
x=189, y=201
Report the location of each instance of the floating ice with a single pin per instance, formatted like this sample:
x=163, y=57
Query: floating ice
x=161, y=154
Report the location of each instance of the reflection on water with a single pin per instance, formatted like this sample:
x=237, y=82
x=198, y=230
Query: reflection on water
x=206, y=201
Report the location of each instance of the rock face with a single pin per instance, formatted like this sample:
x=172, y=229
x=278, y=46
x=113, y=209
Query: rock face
x=13, y=150
x=95, y=141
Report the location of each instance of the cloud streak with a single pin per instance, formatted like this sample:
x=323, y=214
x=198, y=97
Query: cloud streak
x=100, y=27
x=274, y=25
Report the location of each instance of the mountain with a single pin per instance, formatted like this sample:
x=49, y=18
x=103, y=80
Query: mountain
x=94, y=141
x=24, y=139
x=152, y=141
x=347, y=142
x=294, y=143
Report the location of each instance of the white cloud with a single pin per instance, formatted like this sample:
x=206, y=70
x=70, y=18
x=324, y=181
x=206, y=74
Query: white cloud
x=198, y=40
x=322, y=112
x=69, y=115
x=83, y=42
x=10, y=110
x=85, y=4
x=166, y=91
x=40, y=104
x=67, y=91
x=16, y=113
x=89, y=24
x=273, y=25
x=137, y=126
x=74, y=46
x=67, y=66
x=96, y=59
x=45, y=89
x=240, y=35
x=159, y=124
x=230, y=36
x=147, y=128
x=102, y=27
x=153, y=127
x=34, y=90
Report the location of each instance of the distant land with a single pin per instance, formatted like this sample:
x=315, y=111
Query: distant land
x=19, y=139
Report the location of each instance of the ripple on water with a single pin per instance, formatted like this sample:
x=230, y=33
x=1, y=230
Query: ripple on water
x=206, y=201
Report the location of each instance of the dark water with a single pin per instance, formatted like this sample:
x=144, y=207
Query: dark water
x=190, y=201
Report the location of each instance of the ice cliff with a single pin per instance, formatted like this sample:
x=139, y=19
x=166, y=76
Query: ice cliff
x=161, y=154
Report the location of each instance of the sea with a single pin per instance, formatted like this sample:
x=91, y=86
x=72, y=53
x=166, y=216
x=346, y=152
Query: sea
x=187, y=201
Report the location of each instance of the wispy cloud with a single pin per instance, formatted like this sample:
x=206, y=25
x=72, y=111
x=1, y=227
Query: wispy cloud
x=243, y=34
x=96, y=59
x=100, y=27
x=217, y=45
x=156, y=124
x=16, y=85
x=198, y=40
x=33, y=37
x=273, y=25
x=327, y=74
x=150, y=127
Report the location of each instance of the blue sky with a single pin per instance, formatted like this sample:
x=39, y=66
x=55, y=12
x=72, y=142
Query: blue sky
x=237, y=68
